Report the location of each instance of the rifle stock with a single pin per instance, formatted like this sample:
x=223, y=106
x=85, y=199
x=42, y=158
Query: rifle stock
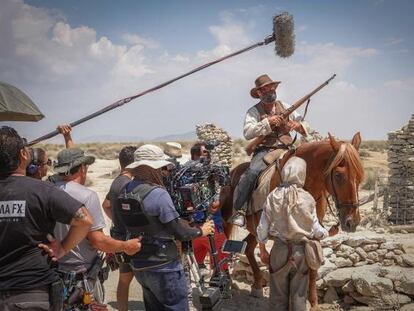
x=251, y=147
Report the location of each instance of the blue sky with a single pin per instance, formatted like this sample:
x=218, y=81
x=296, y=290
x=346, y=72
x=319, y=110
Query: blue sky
x=73, y=57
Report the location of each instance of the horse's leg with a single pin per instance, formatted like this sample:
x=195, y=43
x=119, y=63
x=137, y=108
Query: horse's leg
x=257, y=287
x=252, y=222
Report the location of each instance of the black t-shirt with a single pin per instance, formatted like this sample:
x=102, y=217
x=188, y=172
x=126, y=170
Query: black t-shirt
x=29, y=210
x=118, y=231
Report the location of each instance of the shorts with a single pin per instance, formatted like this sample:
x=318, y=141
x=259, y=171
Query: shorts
x=125, y=267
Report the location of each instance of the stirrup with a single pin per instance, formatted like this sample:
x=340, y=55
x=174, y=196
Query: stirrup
x=238, y=219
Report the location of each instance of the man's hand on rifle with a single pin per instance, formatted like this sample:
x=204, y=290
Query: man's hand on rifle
x=275, y=120
x=294, y=125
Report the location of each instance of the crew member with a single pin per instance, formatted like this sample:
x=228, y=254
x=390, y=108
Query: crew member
x=29, y=210
x=147, y=211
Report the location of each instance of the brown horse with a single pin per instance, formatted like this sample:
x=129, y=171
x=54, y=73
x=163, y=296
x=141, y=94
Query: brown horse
x=333, y=168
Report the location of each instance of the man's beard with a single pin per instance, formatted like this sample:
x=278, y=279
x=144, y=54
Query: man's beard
x=269, y=97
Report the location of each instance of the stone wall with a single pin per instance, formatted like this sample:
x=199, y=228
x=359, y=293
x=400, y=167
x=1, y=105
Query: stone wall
x=359, y=269
x=221, y=154
x=369, y=270
x=401, y=179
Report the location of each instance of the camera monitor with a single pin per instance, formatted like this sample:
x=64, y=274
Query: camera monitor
x=233, y=246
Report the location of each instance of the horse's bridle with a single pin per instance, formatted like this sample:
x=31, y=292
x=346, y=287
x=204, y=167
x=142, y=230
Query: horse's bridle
x=336, y=200
x=335, y=197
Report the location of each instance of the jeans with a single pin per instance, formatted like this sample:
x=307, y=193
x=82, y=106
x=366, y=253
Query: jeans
x=164, y=291
x=248, y=180
x=31, y=300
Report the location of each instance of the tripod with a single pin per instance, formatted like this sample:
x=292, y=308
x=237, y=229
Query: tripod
x=219, y=286
x=191, y=264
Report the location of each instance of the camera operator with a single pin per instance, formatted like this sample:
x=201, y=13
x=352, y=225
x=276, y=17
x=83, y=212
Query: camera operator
x=147, y=211
x=201, y=246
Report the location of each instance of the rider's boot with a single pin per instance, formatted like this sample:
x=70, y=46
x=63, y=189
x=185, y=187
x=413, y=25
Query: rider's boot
x=238, y=218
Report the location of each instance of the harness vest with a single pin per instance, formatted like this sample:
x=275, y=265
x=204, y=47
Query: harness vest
x=156, y=250
x=280, y=134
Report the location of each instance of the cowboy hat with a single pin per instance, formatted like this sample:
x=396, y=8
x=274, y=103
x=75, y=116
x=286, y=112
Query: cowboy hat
x=262, y=81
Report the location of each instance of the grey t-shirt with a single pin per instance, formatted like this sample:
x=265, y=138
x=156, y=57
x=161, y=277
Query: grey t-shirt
x=82, y=256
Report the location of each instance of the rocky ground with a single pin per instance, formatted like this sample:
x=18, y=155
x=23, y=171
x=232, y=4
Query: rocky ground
x=383, y=276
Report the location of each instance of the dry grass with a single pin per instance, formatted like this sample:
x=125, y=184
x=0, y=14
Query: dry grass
x=375, y=145
x=105, y=151
x=373, y=154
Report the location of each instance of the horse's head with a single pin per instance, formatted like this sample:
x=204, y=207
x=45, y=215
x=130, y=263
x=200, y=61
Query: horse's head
x=342, y=178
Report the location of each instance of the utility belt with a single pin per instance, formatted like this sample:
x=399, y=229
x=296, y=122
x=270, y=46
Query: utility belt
x=77, y=290
x=78, y=286
x=155, y=252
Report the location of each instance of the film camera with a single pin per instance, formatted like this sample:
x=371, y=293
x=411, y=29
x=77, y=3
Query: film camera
x=195, y=185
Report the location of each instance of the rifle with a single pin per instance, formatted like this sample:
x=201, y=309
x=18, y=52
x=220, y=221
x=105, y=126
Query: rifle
x=258, y=140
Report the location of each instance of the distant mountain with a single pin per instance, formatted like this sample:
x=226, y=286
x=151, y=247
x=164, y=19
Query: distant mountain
x=189, y=136
x=110, y=139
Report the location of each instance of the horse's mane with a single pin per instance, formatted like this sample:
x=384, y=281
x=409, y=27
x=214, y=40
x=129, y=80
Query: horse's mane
x=350, y=156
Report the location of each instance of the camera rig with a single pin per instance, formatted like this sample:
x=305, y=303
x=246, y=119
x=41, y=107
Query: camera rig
x=194, y=186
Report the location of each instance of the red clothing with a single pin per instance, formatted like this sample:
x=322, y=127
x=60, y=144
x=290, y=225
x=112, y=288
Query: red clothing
x=201, y=246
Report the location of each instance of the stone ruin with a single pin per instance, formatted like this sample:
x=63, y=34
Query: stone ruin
x=401, y=174
x=222, y=153
x=370, y=270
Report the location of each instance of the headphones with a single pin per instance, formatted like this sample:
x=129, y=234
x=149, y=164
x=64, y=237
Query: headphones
x=34, y=163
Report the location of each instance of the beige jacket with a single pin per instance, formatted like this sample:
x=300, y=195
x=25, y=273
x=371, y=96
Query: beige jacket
x=289, y=211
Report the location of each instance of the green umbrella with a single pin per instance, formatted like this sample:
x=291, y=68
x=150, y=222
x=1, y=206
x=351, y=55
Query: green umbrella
x=17, y=106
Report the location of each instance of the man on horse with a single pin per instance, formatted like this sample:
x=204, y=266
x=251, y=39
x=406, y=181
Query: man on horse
x=263, y=119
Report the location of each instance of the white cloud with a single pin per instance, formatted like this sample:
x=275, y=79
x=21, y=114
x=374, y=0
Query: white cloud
x=70, y=37
x=230, y=35
x=393, y=41
x=135, y=39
